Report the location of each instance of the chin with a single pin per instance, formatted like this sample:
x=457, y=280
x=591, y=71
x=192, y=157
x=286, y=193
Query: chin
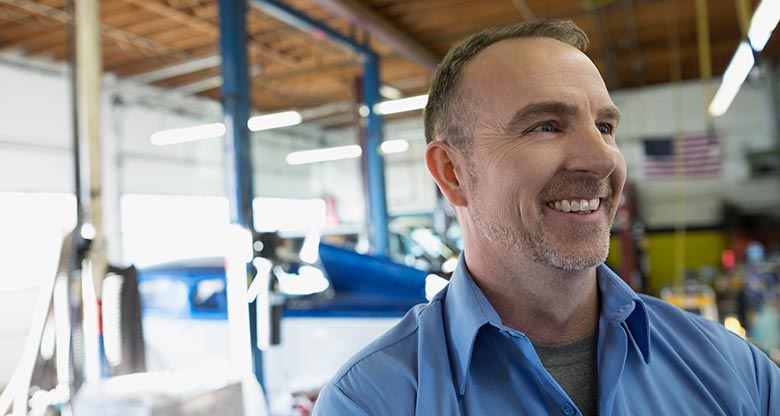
x=573, y=259
x=576, y=264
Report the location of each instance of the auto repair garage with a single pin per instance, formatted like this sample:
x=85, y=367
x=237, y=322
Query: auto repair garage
x=209, y=206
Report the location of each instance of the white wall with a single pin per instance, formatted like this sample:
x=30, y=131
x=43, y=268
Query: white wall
x=408, y=186
x=667, y=110
x=35, y=132
x=36, y=148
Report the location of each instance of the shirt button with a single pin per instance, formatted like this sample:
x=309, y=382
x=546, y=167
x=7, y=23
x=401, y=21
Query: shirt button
x=568, y=409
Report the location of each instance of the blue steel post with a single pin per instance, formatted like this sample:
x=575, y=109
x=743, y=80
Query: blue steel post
x=375, y=167
x=238, y=161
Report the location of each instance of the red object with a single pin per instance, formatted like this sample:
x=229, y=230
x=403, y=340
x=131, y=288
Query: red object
x=100, y=317
x=728, y=260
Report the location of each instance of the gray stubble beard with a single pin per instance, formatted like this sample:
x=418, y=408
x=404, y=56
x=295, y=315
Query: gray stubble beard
x=542, y=250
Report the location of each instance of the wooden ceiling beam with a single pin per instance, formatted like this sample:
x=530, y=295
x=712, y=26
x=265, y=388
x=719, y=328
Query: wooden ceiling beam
x=381, y=30
x=139, y=43
x=316, y=70
x=29, y=23
x=150, y=28
x=145, y=46
x=40, y=40
x=209, y=28
x=393, y=10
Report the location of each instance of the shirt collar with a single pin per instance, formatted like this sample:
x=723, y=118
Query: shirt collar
x=467, y=310
x=620, y=304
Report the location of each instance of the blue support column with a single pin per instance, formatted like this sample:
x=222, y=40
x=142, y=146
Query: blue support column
x=377, y=202
x=238, y=161
x=303, y=22
x=375, y=167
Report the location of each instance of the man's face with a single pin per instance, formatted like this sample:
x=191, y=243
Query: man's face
x=544, y=172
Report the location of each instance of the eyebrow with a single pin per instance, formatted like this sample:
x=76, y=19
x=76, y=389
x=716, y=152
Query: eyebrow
x=520, y=118
x=610, y=112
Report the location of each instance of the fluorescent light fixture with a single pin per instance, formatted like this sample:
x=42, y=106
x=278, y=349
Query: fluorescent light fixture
x=188, y=134
x=324, y=155
x=735, y=75
x=402, y=105
x=762, y=24
x=394, y=146
x=208, y=131
x=390, y=92
x=274, y=121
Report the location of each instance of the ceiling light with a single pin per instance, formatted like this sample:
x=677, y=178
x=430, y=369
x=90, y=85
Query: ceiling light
x=394, y=146
x=188, y=134
x=208, y=131
x=735, y=75
x=390, y=92
x=274, y=121
x=402, y=105
x=762, y=24
x=324, y=155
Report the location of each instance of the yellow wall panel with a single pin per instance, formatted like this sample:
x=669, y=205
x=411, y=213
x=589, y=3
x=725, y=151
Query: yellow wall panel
x=702, y=248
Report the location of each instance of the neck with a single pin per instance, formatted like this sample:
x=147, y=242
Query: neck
x=549, y=305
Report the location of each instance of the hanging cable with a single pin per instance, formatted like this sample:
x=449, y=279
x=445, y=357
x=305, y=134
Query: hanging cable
x=675, y=75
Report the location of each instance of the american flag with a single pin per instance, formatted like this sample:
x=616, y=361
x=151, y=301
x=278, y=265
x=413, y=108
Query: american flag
x=699, y=157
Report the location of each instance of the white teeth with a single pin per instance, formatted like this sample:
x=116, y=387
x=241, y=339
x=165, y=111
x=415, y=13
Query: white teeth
x=584, y=206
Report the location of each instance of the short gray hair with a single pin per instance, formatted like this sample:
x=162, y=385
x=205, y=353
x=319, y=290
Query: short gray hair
x=445, y=110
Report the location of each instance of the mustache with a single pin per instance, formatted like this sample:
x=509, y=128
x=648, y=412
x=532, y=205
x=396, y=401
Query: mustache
x=564, y=187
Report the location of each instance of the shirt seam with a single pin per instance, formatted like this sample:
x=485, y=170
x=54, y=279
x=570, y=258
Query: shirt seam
x=351, y=399
x=355, y=364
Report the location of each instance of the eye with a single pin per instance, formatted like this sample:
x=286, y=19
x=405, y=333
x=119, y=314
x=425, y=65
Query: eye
x=546, y=127
x=605, y=128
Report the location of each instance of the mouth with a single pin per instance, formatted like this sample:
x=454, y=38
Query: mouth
x=576, y=205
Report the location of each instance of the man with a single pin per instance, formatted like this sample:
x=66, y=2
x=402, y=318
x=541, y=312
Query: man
x=521, y=133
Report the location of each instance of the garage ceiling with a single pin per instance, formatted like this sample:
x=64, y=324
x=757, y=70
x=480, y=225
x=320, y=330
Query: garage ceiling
x=173, y=44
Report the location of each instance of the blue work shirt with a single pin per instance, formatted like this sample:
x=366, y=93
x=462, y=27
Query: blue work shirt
x=453, y=356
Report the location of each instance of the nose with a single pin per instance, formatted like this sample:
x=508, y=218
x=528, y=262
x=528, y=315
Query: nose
x=589, y=151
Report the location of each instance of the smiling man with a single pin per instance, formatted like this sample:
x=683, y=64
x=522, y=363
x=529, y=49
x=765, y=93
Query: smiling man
x=521, y=141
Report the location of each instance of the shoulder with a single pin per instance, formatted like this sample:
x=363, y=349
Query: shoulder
x=669, y=320
x=703, y=343
x=672, y=325
x=397, y=346
x=382, y=377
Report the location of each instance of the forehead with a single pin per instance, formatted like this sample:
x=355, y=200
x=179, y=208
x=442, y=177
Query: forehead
x=514, y=72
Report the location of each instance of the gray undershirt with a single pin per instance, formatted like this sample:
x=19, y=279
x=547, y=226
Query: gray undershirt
x=574, y=367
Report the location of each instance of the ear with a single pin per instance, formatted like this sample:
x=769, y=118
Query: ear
x=445, y=164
